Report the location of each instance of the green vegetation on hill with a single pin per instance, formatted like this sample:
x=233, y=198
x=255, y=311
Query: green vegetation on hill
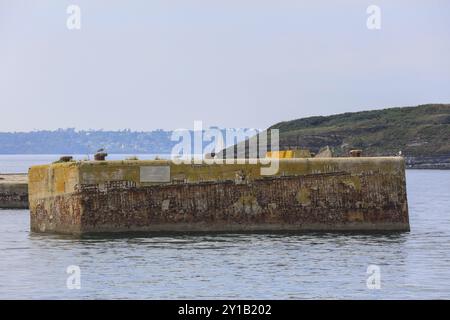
x=416, y=131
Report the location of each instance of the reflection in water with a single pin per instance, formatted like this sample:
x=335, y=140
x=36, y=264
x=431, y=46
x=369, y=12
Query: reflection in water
x=273, y=266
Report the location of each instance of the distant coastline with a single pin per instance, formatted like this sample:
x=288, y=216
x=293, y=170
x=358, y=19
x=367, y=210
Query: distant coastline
x=437, y=162
x=421, y=134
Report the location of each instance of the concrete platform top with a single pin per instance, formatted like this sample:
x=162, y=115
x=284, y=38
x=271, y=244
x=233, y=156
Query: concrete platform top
x=13, y=178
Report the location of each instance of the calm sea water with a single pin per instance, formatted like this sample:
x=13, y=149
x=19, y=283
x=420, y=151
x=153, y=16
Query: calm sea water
x=414, y=264
x=20, y=163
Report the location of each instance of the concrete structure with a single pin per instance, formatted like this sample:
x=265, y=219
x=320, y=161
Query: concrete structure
x=13, y=191
x=307, y=194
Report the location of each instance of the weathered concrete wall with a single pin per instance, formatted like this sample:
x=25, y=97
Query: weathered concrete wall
x=307, y=194
x=13, y=191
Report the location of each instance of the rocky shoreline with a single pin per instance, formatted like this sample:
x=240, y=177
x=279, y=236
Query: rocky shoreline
x=432, y=162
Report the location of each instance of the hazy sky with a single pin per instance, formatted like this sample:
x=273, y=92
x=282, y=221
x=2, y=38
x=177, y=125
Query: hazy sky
x=233, y=63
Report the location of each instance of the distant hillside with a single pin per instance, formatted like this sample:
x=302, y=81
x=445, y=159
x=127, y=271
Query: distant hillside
x=421, y=133
x=416, y=131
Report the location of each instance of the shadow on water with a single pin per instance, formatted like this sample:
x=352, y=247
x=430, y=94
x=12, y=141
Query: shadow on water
x=187, y=237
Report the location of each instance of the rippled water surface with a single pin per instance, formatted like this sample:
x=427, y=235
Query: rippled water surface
x=256, y=266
